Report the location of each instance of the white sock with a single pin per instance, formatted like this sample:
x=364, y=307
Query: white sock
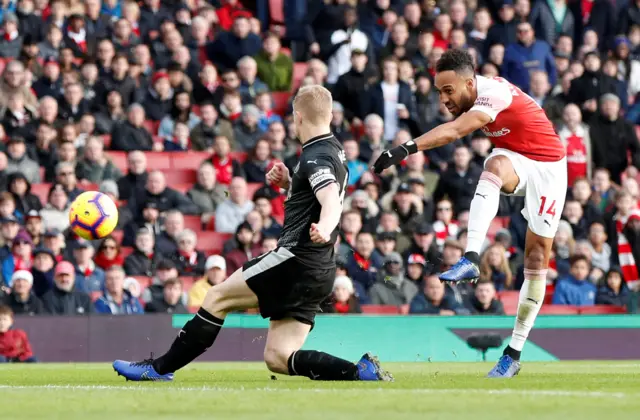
x=484, y=208
x=529, y=304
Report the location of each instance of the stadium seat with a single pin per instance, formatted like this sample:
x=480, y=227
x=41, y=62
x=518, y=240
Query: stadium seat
x=193, y=222
x=182, y=188
x=276, y=11
x=280, y=102
x=151, y=126
x=144, y=281
x=509, y=299
x=602, y=310
x=380, y=309
x=117, y=235
x=252, y=187
x=158, y=161
x=41, y=191
x=119, y=159
x=3, y=64
x=187, y=282
x=188, y=160
x=125, y=251
x=241, y=157
x=504, y=221
x=558, y=310
x=211, y=224
x=106, y=141
x=496, y=225
x=212, y=242
x=299, y=71
x=196, y=110
x=181, y=176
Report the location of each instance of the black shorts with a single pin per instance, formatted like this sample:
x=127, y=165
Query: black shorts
x=286, y=287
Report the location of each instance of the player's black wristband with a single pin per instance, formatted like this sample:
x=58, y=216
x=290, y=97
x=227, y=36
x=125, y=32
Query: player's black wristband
x=411, y=146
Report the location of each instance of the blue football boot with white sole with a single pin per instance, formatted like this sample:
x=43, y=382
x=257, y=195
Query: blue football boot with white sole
x=369, y=369
x=140, y=371
x=505, y=368
x=463, y=270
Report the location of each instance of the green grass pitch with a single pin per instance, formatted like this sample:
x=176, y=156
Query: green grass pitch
x=239, y=391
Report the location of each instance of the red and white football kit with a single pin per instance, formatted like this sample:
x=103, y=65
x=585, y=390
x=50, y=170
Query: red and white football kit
x=520, y=131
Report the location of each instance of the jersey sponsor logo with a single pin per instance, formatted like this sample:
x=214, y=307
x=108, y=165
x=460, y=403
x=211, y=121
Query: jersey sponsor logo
x=484, y=101
x=315, y=162
x=499, y=133
x=342, y=156
x=321, y=175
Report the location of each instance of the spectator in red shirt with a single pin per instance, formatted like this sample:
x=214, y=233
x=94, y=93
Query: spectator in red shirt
x=226, y=167
x=108, y=254
x=14, y=343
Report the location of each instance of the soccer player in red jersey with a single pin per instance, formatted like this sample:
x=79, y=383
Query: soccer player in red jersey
x=528, y=160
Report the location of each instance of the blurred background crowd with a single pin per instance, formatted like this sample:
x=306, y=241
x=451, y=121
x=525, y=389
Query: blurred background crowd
x=177, y=109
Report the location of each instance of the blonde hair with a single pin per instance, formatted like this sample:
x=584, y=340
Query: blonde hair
x=315, y=104
x=485, y=268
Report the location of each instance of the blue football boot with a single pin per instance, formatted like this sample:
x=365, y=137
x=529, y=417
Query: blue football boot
x=505, y=368
x=463, y=270
x=140, y=371
x=369, y=370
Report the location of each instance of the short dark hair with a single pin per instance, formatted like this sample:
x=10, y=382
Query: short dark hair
x=455, y=60
x=578, y=257
x=6, y=310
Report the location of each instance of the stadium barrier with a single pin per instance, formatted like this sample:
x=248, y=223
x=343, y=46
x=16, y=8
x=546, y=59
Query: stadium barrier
x=393, y=338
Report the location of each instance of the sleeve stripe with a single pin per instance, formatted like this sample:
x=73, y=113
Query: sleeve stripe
x=322, y=185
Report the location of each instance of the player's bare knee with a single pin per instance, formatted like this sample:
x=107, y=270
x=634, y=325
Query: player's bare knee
x=214, y=301
x=535, y=258
x=496, y=166
x=276, y=360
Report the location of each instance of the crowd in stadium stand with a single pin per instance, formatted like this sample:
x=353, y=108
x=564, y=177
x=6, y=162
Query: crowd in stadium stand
x=177, y=109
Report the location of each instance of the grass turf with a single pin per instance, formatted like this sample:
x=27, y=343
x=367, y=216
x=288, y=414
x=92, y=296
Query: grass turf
x=238, y=391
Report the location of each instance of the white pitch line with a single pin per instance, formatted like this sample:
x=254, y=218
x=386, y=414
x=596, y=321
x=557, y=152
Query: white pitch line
x=523, y=393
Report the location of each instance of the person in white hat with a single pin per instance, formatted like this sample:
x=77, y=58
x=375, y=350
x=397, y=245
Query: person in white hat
x=21, y=300
x=215, y=273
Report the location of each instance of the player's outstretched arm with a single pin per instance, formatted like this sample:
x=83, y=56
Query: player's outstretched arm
x=329, y=199
x=439, y=136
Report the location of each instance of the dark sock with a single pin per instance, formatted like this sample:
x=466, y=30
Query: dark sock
x=513, y=353
x=195, y=338
x=321, y=366
x=473, y=257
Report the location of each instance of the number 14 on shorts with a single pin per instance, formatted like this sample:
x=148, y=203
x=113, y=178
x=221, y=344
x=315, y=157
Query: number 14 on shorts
x=551, y=210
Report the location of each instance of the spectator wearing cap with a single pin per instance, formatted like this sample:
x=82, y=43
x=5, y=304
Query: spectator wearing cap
x=171, y=300
x=131, y=135
x=415, y=268
x=215, y=273
x=20, y=258
x=433, y=300
x=613, y=139
x=150, y=219
x=167, y=198
x=247, y=131
x=9, y=228
x=245, y=250
x=22, y=300
x=351, y=88
x=392, y=99
x=458, y=180
x=206, y=193
x=20, y=188
x=43, y=269
x=118, y=80
x=144, y=259
x=343, y=299
x=424, y=243
x=89, y=277
x=115, y=300
x=63, y=299
x=136, y=176
x=392, y=287
x=575, y=288
x=157, y=101
x=385, y=243
x=11, y=42
x=229, y=47
x=34, y=227
x=188, y=260
x=50, y=83
x=19, y=161
x=483, y=301
x=231, y=212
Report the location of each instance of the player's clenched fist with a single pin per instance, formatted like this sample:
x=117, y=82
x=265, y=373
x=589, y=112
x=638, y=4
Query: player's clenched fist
x=318, y=234
x=279, y=175
x=394, y=156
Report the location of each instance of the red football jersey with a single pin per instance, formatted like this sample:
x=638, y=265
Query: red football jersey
x=518, y=123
